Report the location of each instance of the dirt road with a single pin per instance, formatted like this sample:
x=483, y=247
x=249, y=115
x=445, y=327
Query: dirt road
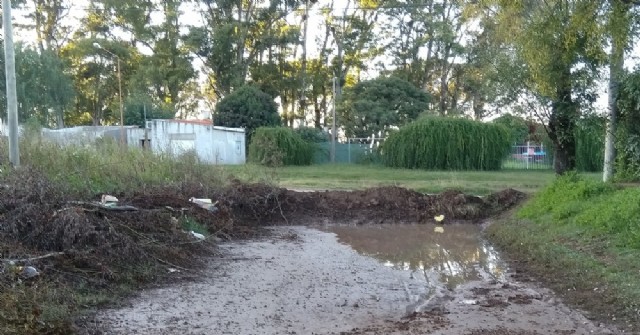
x=304, y=281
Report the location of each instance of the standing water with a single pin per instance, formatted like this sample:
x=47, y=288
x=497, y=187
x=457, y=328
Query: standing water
x=443, y=256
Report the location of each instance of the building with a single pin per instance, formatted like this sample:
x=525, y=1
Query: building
x=212, y=144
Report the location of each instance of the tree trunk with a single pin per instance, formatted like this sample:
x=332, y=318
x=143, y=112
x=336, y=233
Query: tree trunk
x=562, y=127
x=619, y=20
x=60, y=118
x=615, y=68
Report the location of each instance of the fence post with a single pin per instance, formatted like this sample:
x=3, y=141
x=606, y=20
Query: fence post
x=528, y=157
x=349, y=148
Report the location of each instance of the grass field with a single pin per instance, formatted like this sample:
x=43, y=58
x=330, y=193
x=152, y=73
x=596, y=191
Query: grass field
x=351, y=176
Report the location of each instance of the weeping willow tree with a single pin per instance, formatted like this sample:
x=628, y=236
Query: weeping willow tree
x=590, y=144
x=435, y=143
x=274, y=146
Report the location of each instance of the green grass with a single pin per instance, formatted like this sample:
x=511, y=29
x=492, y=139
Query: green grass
x=351, y=176
x=581, y=236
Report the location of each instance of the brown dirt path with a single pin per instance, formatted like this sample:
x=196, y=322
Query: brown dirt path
x=302, y=281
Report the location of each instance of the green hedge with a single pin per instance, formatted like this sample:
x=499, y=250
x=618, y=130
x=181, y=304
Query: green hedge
x=436, y=143
x=274, y=146
x=589, y=134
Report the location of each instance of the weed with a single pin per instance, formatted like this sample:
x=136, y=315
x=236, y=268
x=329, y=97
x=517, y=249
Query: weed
x=190, y=224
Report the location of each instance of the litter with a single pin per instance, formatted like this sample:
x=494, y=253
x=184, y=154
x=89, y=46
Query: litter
x=198, y=235
x=205, y=203
x=439, y=218
x=29, y=272
x=108, y=199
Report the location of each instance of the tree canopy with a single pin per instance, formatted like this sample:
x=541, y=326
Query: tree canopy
x=374, y=106
x=249, y=108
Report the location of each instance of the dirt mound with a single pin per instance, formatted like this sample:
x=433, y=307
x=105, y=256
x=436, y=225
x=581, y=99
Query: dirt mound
x=262, y=204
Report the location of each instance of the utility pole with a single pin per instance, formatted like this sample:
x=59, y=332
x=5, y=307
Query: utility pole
x=337, y=88
x=98, y=46
x=303, y=94
x=333, y=122
x=146, y=131
x=10, y=70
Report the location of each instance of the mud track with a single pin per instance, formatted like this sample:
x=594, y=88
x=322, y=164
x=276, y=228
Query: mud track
x=302, y=281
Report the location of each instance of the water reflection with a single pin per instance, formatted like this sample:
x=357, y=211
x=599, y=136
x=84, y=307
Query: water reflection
x=451, y=258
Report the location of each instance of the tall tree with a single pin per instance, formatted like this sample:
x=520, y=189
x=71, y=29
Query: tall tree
x=620, y=26
x=560, y=43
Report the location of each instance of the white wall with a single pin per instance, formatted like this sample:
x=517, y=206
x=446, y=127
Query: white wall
x=214, y=145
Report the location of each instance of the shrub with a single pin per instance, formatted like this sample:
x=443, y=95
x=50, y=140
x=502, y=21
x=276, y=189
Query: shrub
x=273, y=146
x=312, y=135
x=447, y=144
x=590, y=144
x=249, y=108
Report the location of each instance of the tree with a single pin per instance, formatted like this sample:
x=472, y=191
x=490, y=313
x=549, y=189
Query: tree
x=628, y=133
x=376, y=105
x=560, y=44
x=517, y=126
x=249, y=108
x=45, y=91
x=619, y=26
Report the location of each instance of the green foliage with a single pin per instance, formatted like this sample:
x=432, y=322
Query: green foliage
x=249, y=108
x=590, y=144
x=274, y=146
x=138, y=106
x=436, y=143
x=107, y=168
x=563, y=198
x=596, y=207
x=312, y=135
x=376, y=105
x=516, y=125
x=628, y=136
x=44, y=90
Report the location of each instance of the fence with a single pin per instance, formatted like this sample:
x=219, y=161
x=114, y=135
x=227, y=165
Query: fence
x=356, y=150
x=529, y=157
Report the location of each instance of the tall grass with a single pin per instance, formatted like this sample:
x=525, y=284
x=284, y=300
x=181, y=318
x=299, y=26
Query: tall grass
x=435, y=143
x=274, y=146
x=111, y=168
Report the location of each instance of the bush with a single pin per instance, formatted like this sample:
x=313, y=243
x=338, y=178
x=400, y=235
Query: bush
x=590, y=144
x=312, y=135
x=447, y=144
x=274, y=146
x=249, y=108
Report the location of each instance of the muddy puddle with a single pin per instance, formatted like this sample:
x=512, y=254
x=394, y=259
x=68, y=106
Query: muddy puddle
x=443, y=256
x=396, y=279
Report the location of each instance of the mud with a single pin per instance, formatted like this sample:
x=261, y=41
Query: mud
x=305, y=281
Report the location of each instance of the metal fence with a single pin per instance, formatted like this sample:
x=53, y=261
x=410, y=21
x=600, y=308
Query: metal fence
x=531, y=156
x=356, y=150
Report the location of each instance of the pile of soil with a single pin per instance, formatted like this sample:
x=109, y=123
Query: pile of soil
x=262, y=204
